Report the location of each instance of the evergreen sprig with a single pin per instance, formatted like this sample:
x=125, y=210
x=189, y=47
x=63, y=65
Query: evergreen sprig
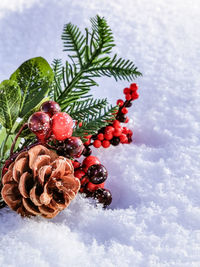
x=89, y=59
x=83, y=109
x=95, y=122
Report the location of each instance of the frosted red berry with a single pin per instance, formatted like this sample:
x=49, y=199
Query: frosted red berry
x=50, y=107
x=39, y=124
x=97, y=143
x=62, y=126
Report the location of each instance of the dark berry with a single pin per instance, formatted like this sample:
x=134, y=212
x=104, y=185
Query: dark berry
x=39, y=124
x=87, y=151
x=94, y=137
x=121, y=117
x=103, y=196
x=50, y=107
x=62, y=126
x=97, y=174
x=115, y=141
x=73, y=147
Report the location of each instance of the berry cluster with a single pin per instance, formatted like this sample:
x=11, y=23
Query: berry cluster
x=50, y=122
x=92, y=175
x=115, y=133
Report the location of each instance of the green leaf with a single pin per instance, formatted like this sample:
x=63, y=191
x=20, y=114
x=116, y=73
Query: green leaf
x=10, y=97
x=34, y=77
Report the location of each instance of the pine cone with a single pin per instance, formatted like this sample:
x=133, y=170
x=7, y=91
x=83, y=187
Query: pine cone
x=39, y=182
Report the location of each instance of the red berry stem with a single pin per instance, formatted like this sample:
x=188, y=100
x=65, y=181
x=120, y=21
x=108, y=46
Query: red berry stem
x=24, y=126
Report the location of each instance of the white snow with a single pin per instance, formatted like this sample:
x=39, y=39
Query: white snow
x=154, y=219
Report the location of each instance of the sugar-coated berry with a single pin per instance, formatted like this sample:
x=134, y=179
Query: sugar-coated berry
x=128, y=97
x=89, y=161
x=108, y=136
x=97, y=174
x=62, y=126
x=115, y=141
x=73, y=147
x=126, y=91
x=103, y=196
x=120, y=102
x=118, y=131
x=124, y=110
x=79, y=174
x=100, y=136
x=116, y=124
x=135, y=95
x=133, y=87
x=123, y=139
x=105, y=143
x=97, y=143
x=39, y=124
x=50, y=107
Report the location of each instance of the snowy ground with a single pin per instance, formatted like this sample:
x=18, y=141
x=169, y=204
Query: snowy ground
x=154, y=219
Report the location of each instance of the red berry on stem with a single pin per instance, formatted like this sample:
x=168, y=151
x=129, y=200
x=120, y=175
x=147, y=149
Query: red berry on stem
x=124, y=110
x=116, y=124
x=62, y=126
x=127, y=120
x=50, y=107
x=97, y=143
x=100, y=136
x=123, y=139
x=109, y=129
x=120, y=102
x=117, y=132
x=89, y=161
x=105, y=143
x=39, y=124
x=87, y=143
x=135, y=95
x=79, y=174
x=127, y=91
x=108, y=136
x=76, y=164
x=128, y=97
x=133, y=87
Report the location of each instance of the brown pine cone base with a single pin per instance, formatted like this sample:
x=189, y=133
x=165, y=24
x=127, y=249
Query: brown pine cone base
x=39, y=182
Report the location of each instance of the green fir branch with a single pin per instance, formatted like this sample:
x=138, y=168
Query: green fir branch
x=95, y=122
x=82, y=109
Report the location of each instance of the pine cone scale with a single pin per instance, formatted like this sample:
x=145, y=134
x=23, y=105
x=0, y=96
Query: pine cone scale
x=25, y=178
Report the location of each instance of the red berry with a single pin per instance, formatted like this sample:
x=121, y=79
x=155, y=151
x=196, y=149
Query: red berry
x=76, y=164
x=127, y=91
x=100, y=136
x=133, y=87
x=39, y=124
x=108, y=136
x=125, y=130
x=87, y=143
x=89, y=161
x=116, y=124
x=130, y=133
x=127, y=120
x=84, y=181
x=105, y=143
x=123, y=138
x=109, y=129
x=50, y=107
x=128, y=97
x=97, y=143
x=124, y=110
x=135, y=95
x=62, y=126
x=117, y=132
x=120, y=102
x=93, y=187
x=79, y=174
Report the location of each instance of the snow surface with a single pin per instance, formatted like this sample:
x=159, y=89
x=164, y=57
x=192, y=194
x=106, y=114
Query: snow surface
x=154, y=219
